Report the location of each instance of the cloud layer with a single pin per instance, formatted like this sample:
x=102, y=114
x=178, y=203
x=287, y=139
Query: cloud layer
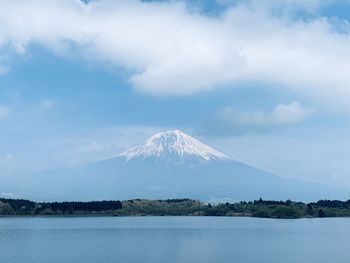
x=4, y=111
x=231, y=121
x=170, y=49
x=282, y=114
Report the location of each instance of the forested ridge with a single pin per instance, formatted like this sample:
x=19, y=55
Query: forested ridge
x=177, y=207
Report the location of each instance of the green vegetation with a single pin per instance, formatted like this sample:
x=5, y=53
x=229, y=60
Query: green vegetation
x=177, y=207
x=25, y=207
x=6, y=209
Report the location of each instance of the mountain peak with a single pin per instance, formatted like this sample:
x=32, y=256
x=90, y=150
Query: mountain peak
x=173, y=145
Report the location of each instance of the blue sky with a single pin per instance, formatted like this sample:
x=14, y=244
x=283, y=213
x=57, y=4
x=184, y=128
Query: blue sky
x=265, y=82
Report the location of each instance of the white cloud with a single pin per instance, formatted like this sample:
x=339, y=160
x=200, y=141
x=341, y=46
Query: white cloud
x=4, y=112
x=95, y=147
x=3, y=70
x=4, y=57
x=9, y=157
x=171, y=50
x=287, y=6
x=46, y=104
x=231, y=121
x=289, y=113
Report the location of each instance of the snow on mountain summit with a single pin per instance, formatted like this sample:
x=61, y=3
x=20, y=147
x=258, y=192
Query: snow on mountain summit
x=171, y=145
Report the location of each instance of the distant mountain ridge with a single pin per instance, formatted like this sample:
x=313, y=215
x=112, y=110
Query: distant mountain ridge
x=168, y=165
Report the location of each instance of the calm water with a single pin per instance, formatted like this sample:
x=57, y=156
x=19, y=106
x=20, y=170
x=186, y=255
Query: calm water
x=173, y=239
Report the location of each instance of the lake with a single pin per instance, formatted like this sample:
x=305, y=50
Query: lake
x=173, y=239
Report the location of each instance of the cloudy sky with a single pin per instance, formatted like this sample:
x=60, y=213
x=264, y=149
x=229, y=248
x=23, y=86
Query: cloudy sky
x=266, y=82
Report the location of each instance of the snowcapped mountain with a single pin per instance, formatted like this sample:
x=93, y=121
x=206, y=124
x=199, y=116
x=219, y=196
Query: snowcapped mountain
x=170, y=164
x=173, y=146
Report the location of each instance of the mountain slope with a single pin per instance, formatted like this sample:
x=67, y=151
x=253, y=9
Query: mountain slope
x=167, y=165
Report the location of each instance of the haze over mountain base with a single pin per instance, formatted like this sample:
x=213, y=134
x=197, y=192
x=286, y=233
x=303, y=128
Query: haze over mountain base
x=167, y=165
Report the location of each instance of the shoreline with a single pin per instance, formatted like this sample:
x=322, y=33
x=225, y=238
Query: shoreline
x=175, y=207
x=141, y=216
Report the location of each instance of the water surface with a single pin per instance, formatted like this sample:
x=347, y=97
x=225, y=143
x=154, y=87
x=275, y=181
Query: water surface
x=173, y=239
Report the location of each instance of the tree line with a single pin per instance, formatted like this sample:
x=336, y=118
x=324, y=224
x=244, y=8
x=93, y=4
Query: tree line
x=179, y=207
